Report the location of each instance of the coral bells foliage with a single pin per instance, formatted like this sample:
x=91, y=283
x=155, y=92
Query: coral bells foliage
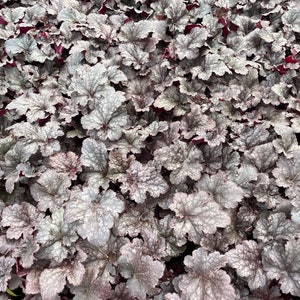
x=150, y=149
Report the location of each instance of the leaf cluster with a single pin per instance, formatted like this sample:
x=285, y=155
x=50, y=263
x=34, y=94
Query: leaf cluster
x=149, y=149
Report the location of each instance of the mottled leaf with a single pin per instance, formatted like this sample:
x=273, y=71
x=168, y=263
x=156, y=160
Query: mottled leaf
x=35, y=106
x=287, y=174
x=210, y=64
x=225, y=192
x=197, y=213
x=182, y=159
x=95, y=213
x=188, y=45
x=283, y=264
x=43, y=138
x=6, y=264
x=141, y=271
x=51, y=190
x=108, y=117
x=204, y=279
x=275, y=227
x=66, y=163
x=24, y=44
x=52, y=281
x=133, y=55
x=246, y=259
x=142, y=179
x=21, y=220
x=94, y=157
x=55, y=236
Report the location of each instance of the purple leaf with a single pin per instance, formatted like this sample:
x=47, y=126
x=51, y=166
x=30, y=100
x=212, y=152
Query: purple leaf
x=197, y=213
x=141, y=271
x=51, y=190
x=283, y=264
x=141, y=179
x=245, y=258
x=21, y=220
x=204, y=279
x=66, y=163
x=182, y=159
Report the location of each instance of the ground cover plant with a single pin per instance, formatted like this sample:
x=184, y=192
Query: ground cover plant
x=149, y=149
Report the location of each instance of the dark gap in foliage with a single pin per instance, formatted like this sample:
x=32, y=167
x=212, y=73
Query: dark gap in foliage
x=65, y=96
x=188, y=77
x=169, y=32
x=79, y=180
x=287, y=52
x=160, y=213
x=8, y=3
x=161, y=113
x=76, y=120
x=289, y=297
x=157, y=210
x=297, y=37
x=19, y=293
x=176, y=263
x=22, y=118
x=281, y=191
x=65, y=53
x=199, y=20
x=48, y=212
x=161, y=45
x=261, y=78
x=72, y=144
x=39, y=25
x=117, y=87
x=251, y=109
x=250, y=57
x=58, y=62
x=38, y=65
x=282, y=106
x=165, y=172
x=10, y=94
x=298, y=137
x=207, y=92
x=144, y=156
x=66, y=294
x=115, y=186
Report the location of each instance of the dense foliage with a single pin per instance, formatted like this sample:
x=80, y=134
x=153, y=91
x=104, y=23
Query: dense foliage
x=149, y=149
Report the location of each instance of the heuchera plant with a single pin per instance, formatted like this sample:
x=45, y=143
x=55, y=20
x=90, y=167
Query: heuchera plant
x=149, y=149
